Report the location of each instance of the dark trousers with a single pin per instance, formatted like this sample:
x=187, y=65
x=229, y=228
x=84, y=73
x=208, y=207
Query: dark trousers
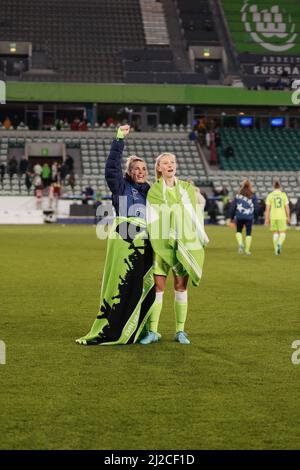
x=240, y=223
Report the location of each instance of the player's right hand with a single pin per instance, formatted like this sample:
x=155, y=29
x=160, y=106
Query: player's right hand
x=125, y=129
x=230, y=223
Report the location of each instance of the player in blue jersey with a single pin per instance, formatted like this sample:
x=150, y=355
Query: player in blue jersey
x=242, y=209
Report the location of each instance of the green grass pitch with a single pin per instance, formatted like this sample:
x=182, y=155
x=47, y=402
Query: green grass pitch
x=234, y=387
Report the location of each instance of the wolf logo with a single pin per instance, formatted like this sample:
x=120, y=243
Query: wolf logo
x=273, y=29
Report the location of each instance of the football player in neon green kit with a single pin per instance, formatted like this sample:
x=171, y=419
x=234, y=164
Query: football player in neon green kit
x=277, y=215
x=172, y=202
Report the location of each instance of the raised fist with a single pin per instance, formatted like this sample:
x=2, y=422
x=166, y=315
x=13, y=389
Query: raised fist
x=125, y=129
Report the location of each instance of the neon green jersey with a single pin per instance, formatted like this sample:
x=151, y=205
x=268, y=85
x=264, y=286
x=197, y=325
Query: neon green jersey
x=171, y=195
x=277, y=200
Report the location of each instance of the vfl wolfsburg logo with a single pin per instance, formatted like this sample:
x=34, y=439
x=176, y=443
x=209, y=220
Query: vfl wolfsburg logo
x=266, y=25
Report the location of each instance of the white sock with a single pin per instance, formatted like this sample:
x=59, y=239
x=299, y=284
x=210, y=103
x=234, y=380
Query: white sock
x=181, y=296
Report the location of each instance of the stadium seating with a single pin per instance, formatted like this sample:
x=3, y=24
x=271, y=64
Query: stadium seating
x=262, y=182
x=91, y=41
x=260, y=149
x=197, y=22
x=92, y=154
x=82, y=41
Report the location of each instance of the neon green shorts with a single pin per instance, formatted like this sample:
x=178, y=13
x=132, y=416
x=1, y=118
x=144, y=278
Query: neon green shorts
x=278, y=225
x=161, y=268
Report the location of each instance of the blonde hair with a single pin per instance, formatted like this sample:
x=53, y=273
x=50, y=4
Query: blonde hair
x=157, y=160
x=131, y=160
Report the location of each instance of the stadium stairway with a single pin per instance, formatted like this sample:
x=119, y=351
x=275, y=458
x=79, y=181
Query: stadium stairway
x=180, y=54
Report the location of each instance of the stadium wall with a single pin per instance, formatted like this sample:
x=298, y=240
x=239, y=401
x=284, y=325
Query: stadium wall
x=146, y=94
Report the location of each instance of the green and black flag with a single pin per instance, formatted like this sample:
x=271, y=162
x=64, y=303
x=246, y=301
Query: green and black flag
x=128, y=291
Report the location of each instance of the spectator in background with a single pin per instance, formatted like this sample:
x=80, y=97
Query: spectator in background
x=2, y=173
x=297, y=211
x=208, y=139
x=38, y=191
x=71, y=181
x=75, y=124
x=21, y=126
x=15, y=121
x=213, y=149
x=46, y=172
x=58, y=172
x=110, y=121
x=37, y=169
x=217, y=139
x=201, y=131
x=69, y=164
x=229, y=152
x=12, y=167
x=34, y=122
x=283, y=81
x=58, y=124
x=212, y=210
x=270, y=83
x=7, y=124
x=88, y=194
x=65, y=124
x=217, y=190
x=83, y=125
x=53, y=194
x=28, y=181
x=37, y=180
x=97, y=203
x=192, y=136
x=23, y=166
x=54, y=173
x=260, y=217
x=63, y=171
x=224, y=191
x=225, y=199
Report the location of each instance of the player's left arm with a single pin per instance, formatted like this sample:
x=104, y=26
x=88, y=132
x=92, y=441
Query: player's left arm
x=288, y=212
x=287, y=208
x=267, y=215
